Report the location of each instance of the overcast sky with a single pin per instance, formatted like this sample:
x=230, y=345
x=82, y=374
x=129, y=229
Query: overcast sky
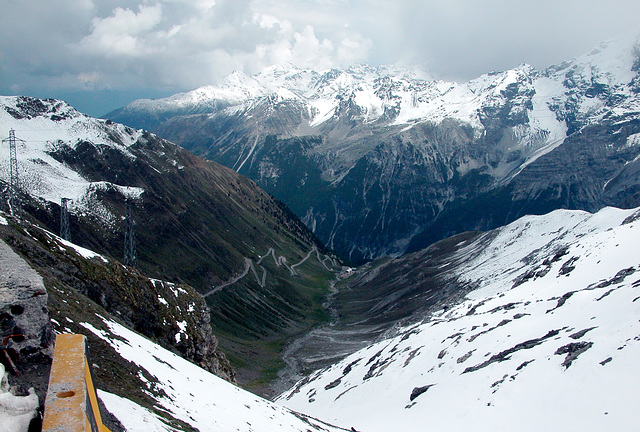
x=101, y=54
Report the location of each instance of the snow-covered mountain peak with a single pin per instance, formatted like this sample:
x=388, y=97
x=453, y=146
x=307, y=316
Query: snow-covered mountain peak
x=47, y=121
x=46, y=127
x=613, y=62
x=279, y=71
x=237, y=78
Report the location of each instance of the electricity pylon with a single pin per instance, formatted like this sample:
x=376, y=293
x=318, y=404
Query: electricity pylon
x=130, y=258
x=65, y=230
x=14, y=183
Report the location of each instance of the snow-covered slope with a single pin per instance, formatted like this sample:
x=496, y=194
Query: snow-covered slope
x=45, y=127
x=191, y=394
x=549, y=340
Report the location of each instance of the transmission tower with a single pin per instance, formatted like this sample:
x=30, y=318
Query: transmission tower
x=14, y=183
x=65, y=230
x=130, y=258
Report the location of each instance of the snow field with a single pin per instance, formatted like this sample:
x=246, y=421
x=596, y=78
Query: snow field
x=501, y=359
x=194, y=395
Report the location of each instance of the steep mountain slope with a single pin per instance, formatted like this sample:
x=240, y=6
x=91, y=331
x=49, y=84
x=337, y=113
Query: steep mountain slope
x=175, y=316
x=370, y=158
x=262, y=272
x=141, y=380
x=546, y=337
x=201, y=400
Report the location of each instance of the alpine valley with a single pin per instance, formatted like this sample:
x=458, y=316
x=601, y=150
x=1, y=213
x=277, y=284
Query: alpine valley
x=261, y=272
x=384, y=160
x=495, y=224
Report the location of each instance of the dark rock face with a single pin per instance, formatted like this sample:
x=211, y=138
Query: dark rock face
x=23, y=307
x=504, y=355
x=417, y=391
x=572, y=350
x=26, y=333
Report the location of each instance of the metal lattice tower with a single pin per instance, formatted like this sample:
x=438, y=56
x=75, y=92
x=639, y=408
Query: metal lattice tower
x=14, y=183
x=130, y=257
x=65, y=230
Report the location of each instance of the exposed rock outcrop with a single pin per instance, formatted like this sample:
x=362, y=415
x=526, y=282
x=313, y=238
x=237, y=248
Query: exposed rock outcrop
x=26, y=336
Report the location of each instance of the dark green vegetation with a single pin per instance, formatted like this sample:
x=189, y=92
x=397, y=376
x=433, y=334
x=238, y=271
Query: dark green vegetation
x=255, y=322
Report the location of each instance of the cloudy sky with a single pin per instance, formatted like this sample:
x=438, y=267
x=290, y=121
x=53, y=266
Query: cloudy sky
x=101, y=54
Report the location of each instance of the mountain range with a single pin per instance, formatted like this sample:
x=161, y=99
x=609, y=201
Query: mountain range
x=385, y=160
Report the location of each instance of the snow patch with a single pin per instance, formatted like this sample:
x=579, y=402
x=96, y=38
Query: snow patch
x=633, y=140
x=132, y=416
x=16, y=412
x=182, y=325
x=83, y=252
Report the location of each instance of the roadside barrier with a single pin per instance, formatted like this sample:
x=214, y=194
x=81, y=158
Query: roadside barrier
x=72, y=403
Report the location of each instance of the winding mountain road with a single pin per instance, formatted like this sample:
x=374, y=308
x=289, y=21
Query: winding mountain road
x=250, y=265
x=247, y=266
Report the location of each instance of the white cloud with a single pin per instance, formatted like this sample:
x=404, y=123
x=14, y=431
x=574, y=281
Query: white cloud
x=177, y=45
x=123, y=33
x=304, y=48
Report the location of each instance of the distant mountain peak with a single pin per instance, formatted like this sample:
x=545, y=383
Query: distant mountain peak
x=375, y=130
